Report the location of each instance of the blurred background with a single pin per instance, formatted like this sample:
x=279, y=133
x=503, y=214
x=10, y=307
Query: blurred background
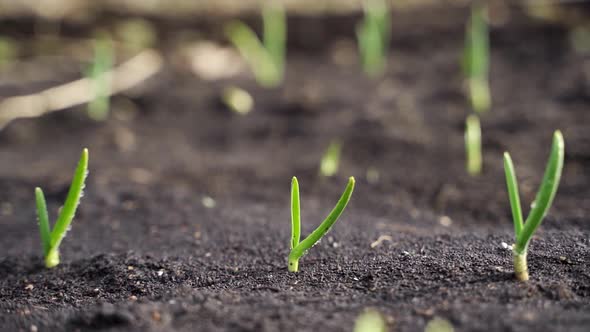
x=47, y=43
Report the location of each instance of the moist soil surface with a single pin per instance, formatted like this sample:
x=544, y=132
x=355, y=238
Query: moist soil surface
x=148, y=251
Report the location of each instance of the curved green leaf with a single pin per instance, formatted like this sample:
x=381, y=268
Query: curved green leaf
x=73, y=199
x=321, y=230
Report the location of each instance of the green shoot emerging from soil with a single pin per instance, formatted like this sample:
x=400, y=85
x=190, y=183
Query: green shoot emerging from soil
x=524, y=231
x=438, y=324
x=298, y=249
x=331, y=159
x=373, y=37
x=8, y=51
x=370, y=320
x=473, y=145
x=98, y=109
x=476, y=58
x=51, y=239
x=266, y=58
x=237, y=100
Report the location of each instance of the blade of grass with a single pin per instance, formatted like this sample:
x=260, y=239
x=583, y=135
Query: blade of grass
x=545, y=195
x=98, y=109
x=321, y=230
x=73, y=199
x=44, y=228
x=295, y=214
x=275, y=33
x=513, y=195
x=331, y=159
x=252, y=50
x=476, y=53
x=476, y=61
x=373, y=37
x=473, y=145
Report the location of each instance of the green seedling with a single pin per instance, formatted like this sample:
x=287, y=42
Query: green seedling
x=476, y=58
x=8, y=51
x=473, y=145
x=331, y=159
x=98, y=109
x=370, y=320
x=298, y=249
x=136, y=34
x=373, y=35
x=524, y=231
x=51, y=239
x=237, y=100
x=267, y=57
x=438, y=324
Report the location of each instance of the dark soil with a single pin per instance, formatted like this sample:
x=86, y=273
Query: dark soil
x=145, y=254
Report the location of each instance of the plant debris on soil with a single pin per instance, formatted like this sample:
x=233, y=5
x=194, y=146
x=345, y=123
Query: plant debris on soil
x=185, y=221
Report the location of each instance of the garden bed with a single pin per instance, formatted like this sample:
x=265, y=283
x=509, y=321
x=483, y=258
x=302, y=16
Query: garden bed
x=149, y=251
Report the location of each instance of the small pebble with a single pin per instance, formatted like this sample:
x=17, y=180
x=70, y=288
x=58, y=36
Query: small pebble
x=33, y=328
x=445, y=221
x=380, y=240
x=29, y=287
x=208, y=202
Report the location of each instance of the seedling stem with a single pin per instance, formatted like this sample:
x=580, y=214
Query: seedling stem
x=298, y=249
x=51, y=240
x=543, y=200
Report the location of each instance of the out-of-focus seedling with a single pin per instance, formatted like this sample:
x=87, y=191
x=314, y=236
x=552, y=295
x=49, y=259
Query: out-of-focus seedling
x=580, y=39
x=473, y=145
x=98, y=108
x=373, y=35
x=51, y=239
x=267, y=57
x=238, y=100
x=8, y=51
x=476, y=58
x=523, y=231
x=438, y=324
x=370, y=320
x=298, y=249
x=331, y=159
x=136, y=34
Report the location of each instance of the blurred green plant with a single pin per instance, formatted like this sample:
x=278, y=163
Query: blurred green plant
x=237, y=100
x=373, y=35
x=8, y=51
x=580, y=39
x=370, y=320
x=98, y=108
x=331, y=159
x=51, y=239
x=266, y=58
x=298, y=249
x=137, y=34
x=524, y=231
x=473, y=145
x=438, y=324
x=476, y=58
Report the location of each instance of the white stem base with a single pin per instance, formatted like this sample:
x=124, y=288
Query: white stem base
x=521, y=270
